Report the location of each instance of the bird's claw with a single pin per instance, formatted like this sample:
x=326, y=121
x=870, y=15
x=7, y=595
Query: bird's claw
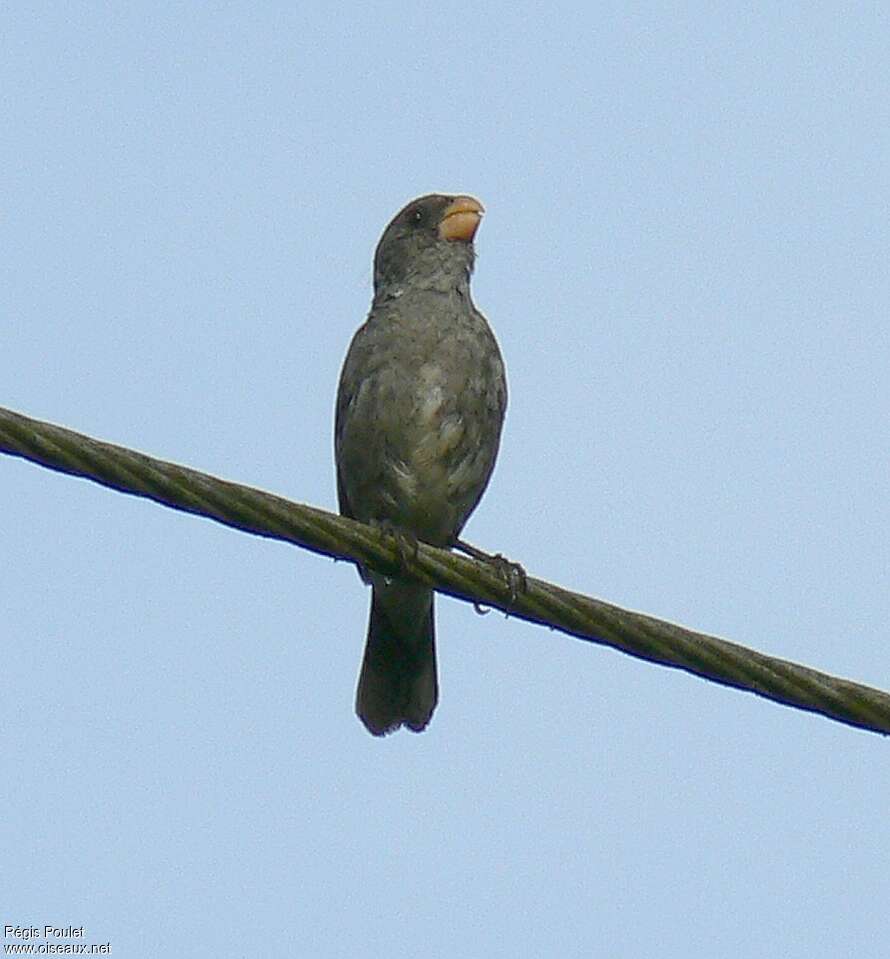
x=513, y=575
x=405, y=542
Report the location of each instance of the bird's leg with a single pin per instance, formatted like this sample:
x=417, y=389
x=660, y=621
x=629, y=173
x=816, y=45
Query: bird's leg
x=404, y=541
x=512, y=573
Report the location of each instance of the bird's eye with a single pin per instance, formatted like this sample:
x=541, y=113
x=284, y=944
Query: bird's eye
x=417, y=217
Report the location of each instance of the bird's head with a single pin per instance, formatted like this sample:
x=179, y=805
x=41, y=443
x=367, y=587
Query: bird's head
x=428, y=245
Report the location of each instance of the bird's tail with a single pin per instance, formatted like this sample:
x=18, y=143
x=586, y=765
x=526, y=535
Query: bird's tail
x=398, y=685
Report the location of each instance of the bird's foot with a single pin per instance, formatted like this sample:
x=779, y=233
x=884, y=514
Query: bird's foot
x=404, y=541
x=513, y=574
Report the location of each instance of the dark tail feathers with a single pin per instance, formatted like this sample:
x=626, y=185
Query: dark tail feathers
x=398, y=685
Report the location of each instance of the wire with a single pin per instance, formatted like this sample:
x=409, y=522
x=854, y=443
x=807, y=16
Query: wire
x=477, y=581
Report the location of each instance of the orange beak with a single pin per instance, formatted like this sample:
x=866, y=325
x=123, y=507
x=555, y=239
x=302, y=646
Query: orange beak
x=461, y=219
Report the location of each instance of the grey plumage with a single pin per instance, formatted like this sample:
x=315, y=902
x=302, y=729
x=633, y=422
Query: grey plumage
x=420, y=407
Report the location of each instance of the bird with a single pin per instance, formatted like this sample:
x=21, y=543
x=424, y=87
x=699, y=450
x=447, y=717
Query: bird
x=420, y=408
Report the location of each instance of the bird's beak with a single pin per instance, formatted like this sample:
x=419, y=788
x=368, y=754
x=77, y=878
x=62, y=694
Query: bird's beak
x=461, y=219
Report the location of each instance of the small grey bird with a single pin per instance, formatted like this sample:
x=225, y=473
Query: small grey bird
x=420, y=407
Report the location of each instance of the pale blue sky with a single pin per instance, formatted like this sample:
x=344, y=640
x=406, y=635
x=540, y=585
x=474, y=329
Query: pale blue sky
x=685, y=261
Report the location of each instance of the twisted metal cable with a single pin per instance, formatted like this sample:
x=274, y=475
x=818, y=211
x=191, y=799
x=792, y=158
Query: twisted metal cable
x=264, y=514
